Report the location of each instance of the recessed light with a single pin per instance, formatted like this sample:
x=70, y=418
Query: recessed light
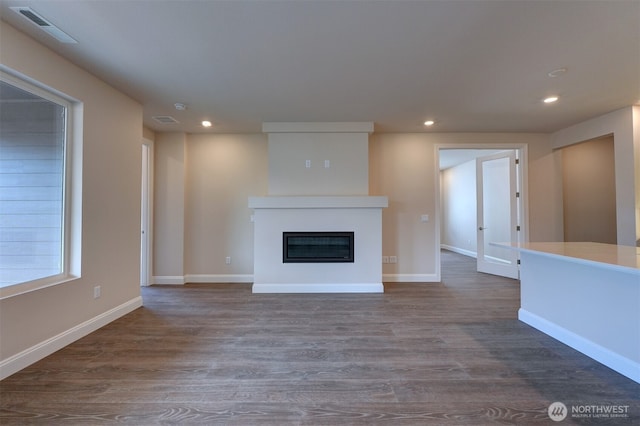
x=206, y=123
x=550, y=99
x=429, y=123
x=180, y=106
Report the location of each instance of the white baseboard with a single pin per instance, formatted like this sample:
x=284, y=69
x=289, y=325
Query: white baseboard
x=169, y=280
x=43, y=349
x=460, y=251
x=218, y=278
x=319, y=288
x=246, y=278
x=619, y=363
x=410, y=278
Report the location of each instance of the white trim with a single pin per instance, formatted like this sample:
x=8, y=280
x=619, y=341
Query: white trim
x=491, y=264
x=410, y=278
x=318, y=288
x=459, y=250
x=318, y=202
x=619, y=363
x=169, y=280
x=437, y=213
x=148, y=274
x=45, y=348
x=522, y=152
x=322, y=127
x=522, y=172
x=218, y=278
x=29, y=286
x=71, y=244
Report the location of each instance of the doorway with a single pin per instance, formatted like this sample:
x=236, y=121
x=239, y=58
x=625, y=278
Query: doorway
x=496, y=213
x=482, y=202
x=589, y=191
x=146, y=209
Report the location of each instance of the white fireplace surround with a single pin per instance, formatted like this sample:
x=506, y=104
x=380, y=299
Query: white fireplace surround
x=274, y=215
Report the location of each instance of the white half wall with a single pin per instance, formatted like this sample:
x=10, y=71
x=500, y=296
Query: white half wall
x=590, y=306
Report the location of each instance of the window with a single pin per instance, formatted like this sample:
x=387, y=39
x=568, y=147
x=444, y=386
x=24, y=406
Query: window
x=34, y=194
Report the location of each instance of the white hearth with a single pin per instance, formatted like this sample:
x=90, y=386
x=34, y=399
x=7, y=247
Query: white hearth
x=274, y=215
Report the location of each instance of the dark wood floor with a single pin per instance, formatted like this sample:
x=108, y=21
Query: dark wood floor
x=436, y=353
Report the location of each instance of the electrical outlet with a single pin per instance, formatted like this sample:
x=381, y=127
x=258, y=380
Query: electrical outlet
x=97, y=292
x=393, y=259
x=307, y=164
x=424, y=218
x=327, y=164
x=227, y=260
x=385, y=259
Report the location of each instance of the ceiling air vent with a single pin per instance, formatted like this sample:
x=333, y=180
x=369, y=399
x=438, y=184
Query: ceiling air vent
x=48, y=27
x=165, y=119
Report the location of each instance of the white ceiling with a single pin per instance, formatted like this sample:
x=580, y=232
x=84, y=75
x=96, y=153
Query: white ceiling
x=473, y=66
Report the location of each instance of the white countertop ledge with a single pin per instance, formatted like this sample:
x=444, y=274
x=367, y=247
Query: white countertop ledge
x=318, y=202
x=610, y=255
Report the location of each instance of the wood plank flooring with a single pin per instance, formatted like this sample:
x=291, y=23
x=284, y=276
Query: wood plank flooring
x=435, y=353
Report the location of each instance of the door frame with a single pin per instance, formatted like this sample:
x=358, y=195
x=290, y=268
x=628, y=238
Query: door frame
x=521, y=176
x=146, y=214
x=497, y=267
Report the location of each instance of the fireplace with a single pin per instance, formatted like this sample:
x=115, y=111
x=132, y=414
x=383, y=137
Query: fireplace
x=332, y=219
x=319, y=183
x=317, y=247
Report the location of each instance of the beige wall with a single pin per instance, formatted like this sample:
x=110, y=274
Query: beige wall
x=402, y=167
x=544, y=192
x=111, y=173
x=222, y=172
x=589, y=191
x=169, y=205
x=148, y=134
x=201, y=216
x=624, y=125
x=219, y=172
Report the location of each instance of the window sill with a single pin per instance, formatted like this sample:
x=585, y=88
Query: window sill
x=12, y=290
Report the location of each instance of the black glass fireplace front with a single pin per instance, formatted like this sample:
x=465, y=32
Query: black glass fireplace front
x=317, y=247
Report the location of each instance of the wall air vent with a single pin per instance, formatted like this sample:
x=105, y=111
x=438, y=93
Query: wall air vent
x=43, y=24
x=165, y=119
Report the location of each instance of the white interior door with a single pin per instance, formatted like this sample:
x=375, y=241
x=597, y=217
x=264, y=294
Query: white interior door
x=497, y=213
